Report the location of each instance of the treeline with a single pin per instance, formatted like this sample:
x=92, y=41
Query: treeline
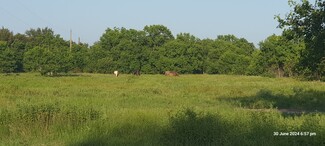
x=152, y=50
x=299, y=51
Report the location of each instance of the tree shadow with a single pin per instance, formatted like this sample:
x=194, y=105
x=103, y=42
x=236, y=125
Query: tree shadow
x=128, y=133
x=192, y=128
x=301, y=101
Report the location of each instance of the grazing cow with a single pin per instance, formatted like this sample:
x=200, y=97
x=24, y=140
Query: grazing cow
x=116, y=73
x=136, y=72
x=171, y=73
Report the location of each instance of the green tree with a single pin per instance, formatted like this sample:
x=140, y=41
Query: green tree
x=257, y=65
x=274, y=52
x=48, y=61
x=172, y=56
x=157, y=35
x=93, y=55
x=16, y=45
x=184, y=54
x=232, y=63
x=280, y=55
x=239, y=51
x=124, y=49
x=44, y=37
x=55, y=61
x=6, y=36
x=151, y=64
x=211, y=54
x=110, y=38
x=307, y=21
x=78, y=57
x=10, y=52
x=45, y=51
x=237, y=45
x=194, y=53
x=19, y=44
x=127, y=56
x=32, y=59
x=8, y=60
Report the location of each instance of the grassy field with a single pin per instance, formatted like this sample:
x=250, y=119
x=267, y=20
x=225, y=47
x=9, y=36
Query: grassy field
x=98, y=109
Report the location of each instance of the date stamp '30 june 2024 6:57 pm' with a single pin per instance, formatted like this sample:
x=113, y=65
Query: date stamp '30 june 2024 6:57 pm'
x=294, y=134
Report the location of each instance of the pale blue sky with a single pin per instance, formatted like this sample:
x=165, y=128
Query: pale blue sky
x=88, y=19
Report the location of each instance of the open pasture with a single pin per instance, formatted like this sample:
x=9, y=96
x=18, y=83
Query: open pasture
x=101, y=109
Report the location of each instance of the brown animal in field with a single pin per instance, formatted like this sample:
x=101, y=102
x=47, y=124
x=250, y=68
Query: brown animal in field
x=171, y=73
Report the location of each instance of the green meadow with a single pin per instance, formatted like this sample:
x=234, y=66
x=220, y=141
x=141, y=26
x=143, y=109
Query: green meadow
x=101, y=109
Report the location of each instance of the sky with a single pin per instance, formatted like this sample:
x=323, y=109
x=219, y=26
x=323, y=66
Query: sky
x=88, y=19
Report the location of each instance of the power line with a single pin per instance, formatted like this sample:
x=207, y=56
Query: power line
x=34, y=15
x=14, y=16
x=45, y=21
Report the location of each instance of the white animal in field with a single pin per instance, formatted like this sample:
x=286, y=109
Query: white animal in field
x=116, y=73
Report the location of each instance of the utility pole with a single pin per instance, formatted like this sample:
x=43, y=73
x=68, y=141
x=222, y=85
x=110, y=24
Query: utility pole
x=70, y=40
x=78, y=40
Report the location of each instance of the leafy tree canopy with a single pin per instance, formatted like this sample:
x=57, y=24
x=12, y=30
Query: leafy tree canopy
x=307, y=21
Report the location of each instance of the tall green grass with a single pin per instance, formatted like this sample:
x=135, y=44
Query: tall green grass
x=99, y=109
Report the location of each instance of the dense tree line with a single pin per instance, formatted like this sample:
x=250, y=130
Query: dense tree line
x=152, y=50
x=38, y=50
x=299, y=51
